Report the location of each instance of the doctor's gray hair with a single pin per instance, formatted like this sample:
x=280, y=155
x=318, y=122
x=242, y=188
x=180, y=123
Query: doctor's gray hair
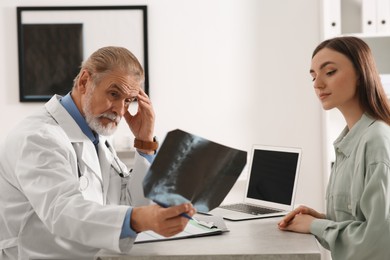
x=111, y=58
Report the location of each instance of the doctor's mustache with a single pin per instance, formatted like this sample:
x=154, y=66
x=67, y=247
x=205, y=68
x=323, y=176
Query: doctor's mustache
x=112, y=116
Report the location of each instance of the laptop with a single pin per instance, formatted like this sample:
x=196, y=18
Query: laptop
x=271, y=185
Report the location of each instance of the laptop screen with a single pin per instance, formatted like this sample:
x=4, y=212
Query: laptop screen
x=272, y=176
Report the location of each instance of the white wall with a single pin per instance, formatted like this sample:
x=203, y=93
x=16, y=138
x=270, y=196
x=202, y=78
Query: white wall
x=233, y=71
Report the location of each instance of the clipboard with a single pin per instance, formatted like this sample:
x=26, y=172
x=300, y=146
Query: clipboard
x=192, y=230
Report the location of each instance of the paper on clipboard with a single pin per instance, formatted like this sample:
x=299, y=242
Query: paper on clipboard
x=192, y=229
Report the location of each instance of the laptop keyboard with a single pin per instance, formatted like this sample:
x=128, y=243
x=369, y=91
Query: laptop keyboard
x=250, y=209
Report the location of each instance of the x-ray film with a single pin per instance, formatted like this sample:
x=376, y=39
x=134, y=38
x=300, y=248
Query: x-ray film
x=189, y=168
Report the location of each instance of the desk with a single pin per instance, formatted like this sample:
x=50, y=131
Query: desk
x=251, y=239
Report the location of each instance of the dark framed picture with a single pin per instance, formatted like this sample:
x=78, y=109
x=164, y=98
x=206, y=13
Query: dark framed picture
x=53, y=41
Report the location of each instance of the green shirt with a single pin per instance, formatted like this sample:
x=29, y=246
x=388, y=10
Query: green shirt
x=358, y=195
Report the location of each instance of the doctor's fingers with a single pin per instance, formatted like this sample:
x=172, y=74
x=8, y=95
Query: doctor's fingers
x=144, y=118
x=142, y=95
x=145, y=109
x=175, y=211
x=129, y=118
x=144, y=103
x=171, y=226
x=141, y=126
x=144, y=106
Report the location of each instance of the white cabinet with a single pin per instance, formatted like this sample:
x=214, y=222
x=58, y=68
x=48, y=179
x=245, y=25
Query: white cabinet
x=331, y=14
x=365, y=18
x=375, y=16
x=383, y=16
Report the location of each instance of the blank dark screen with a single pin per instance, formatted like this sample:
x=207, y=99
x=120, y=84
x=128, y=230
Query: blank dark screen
x=272, y=176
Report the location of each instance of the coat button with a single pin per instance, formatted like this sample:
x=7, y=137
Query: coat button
x=84, y=182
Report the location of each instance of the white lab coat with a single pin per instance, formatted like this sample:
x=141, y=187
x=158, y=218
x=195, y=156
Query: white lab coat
x=43, y=213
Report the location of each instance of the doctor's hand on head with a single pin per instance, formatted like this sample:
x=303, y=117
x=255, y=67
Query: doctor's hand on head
x=141, y=123
x=164, y=221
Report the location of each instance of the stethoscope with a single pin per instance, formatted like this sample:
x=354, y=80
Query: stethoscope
x=84, y=181
x=118, y=169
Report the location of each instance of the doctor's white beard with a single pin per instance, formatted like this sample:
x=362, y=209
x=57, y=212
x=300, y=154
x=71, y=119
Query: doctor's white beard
x=94, y=121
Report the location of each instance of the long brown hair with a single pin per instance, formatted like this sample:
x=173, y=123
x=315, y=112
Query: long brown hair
x=371, y=94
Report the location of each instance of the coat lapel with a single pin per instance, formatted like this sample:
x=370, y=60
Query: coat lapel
x=84, y=148
x=89, y=167
x=87, y=155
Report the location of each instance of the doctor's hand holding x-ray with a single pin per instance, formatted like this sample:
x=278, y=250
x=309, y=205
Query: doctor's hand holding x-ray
x=64, y=193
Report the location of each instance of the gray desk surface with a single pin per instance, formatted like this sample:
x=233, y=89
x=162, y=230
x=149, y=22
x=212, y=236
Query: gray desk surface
x=252, y=239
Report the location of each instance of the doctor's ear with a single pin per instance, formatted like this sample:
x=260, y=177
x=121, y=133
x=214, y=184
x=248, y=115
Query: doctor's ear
x=83, y=80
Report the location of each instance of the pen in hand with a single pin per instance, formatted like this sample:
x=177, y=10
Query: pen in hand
x=164, y=205
x=202, y=223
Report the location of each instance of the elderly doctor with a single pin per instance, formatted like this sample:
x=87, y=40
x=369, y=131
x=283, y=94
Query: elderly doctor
x=64, y=194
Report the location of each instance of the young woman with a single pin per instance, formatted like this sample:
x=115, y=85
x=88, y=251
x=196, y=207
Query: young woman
x=357, y=222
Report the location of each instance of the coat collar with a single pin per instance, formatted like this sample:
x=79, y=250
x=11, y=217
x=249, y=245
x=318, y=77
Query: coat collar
x=65, y=120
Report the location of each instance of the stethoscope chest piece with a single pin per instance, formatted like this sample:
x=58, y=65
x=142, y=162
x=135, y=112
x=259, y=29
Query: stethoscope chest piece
x=84, y=182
